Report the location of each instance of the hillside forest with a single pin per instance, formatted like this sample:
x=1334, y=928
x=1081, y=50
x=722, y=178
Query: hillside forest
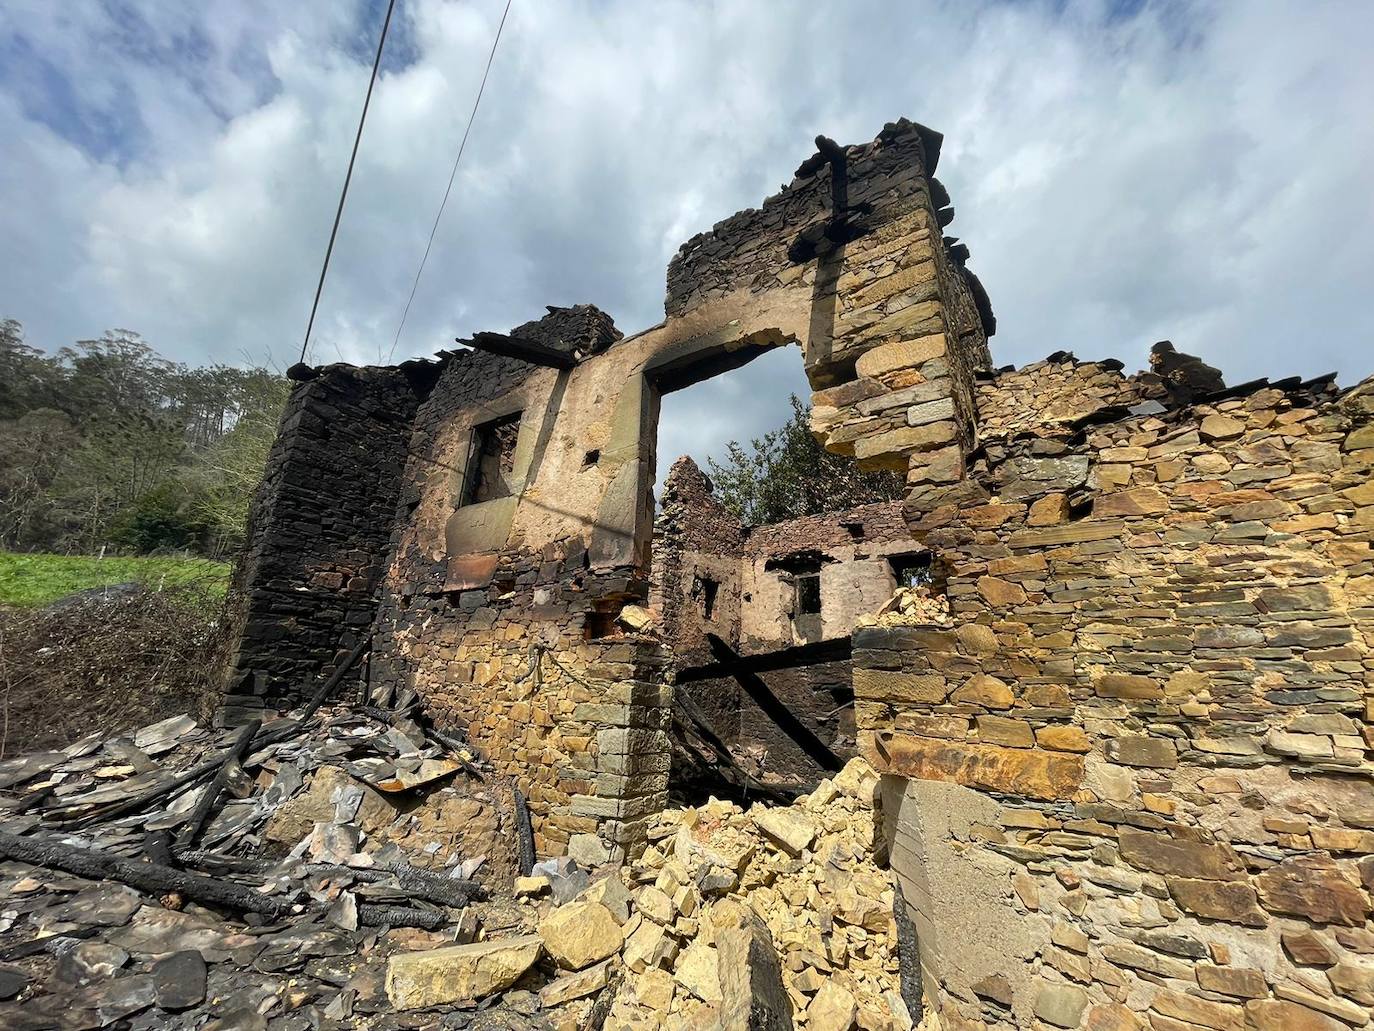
x=107, y=445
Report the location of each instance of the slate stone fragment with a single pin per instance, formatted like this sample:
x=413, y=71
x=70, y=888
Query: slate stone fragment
x=12, y=981
x=120, y=997
x=242, y=1019
x=179, y=980
x=31, y=1015
x=103, y=905
x=88, y=962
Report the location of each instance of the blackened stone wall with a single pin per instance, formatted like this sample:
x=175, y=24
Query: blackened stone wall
x=755, y=249
x=305, y=589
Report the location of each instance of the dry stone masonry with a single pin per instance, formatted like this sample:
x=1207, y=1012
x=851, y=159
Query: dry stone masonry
x=1124, y=728
x=1157, y=689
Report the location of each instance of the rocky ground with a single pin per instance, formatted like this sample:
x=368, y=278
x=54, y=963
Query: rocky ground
x=358, y=874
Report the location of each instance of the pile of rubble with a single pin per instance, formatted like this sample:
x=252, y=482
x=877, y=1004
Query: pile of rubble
x=808, y=880
x=145, y=882
x=910, y=606
x=771, y=918
x=342, y=869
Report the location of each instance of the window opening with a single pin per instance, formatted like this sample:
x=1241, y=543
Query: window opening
x=599, y=620
x=808, y=588
x=912, y=570
x=491, y=460
x=708, y=597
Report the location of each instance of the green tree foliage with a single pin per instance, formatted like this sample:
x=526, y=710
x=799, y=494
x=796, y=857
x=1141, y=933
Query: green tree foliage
x=228, y=470
x=787, y=474
x=34, y=449
x=27, y=376
x=108, y=444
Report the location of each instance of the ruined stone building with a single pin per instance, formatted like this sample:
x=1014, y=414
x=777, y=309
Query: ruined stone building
x=785, y=595
x=1132, y=774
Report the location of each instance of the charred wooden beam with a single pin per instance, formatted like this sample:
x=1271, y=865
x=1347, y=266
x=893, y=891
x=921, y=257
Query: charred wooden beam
x=211, y=796
x=816, y=749
x=839, y=174
x=702, y=727
x=536, y=352
x=417, y=883
x=524, y=835
x=54, y=854
x=908, y=955
x=838, y=649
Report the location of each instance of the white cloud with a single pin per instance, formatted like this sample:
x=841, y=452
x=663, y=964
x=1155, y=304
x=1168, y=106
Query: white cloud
x=1196, y=171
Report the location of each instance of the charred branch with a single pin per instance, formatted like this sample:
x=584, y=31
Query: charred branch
x=54, y=854
x=216, y=787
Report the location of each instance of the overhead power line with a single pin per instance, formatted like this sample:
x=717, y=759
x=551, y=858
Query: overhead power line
x=343, y=194
x=451, y=176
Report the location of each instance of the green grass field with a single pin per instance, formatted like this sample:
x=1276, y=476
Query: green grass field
x=38, y=579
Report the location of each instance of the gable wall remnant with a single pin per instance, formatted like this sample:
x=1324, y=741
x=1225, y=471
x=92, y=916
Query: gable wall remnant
x=304, y=591
x=696, y=542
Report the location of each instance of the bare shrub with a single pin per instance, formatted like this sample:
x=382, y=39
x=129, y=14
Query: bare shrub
x=108, y=661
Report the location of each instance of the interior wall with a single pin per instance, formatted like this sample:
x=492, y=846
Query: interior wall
x=854, y=581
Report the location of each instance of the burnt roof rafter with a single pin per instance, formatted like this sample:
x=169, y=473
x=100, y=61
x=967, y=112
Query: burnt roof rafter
x=536, y=352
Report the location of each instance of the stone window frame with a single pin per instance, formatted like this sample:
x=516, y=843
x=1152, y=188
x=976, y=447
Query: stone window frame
x=475, y=534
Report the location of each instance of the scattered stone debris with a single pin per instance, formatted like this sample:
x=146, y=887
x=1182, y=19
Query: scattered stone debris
x=636, y=619
x=338, y=842
x=351, y=875
x=806, y=884
x=910, y=606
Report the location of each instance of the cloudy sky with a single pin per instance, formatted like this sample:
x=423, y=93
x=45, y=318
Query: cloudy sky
x=1123, y=172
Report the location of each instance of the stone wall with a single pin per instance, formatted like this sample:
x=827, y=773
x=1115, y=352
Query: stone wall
x=513, y=642
x=579, y=723
x=1154, y=713
x=478, y=600
x=305, y=587
x=897, y=326
x=696, y=543
x=851, y=550
x=897, y=375
x=1054, y=397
